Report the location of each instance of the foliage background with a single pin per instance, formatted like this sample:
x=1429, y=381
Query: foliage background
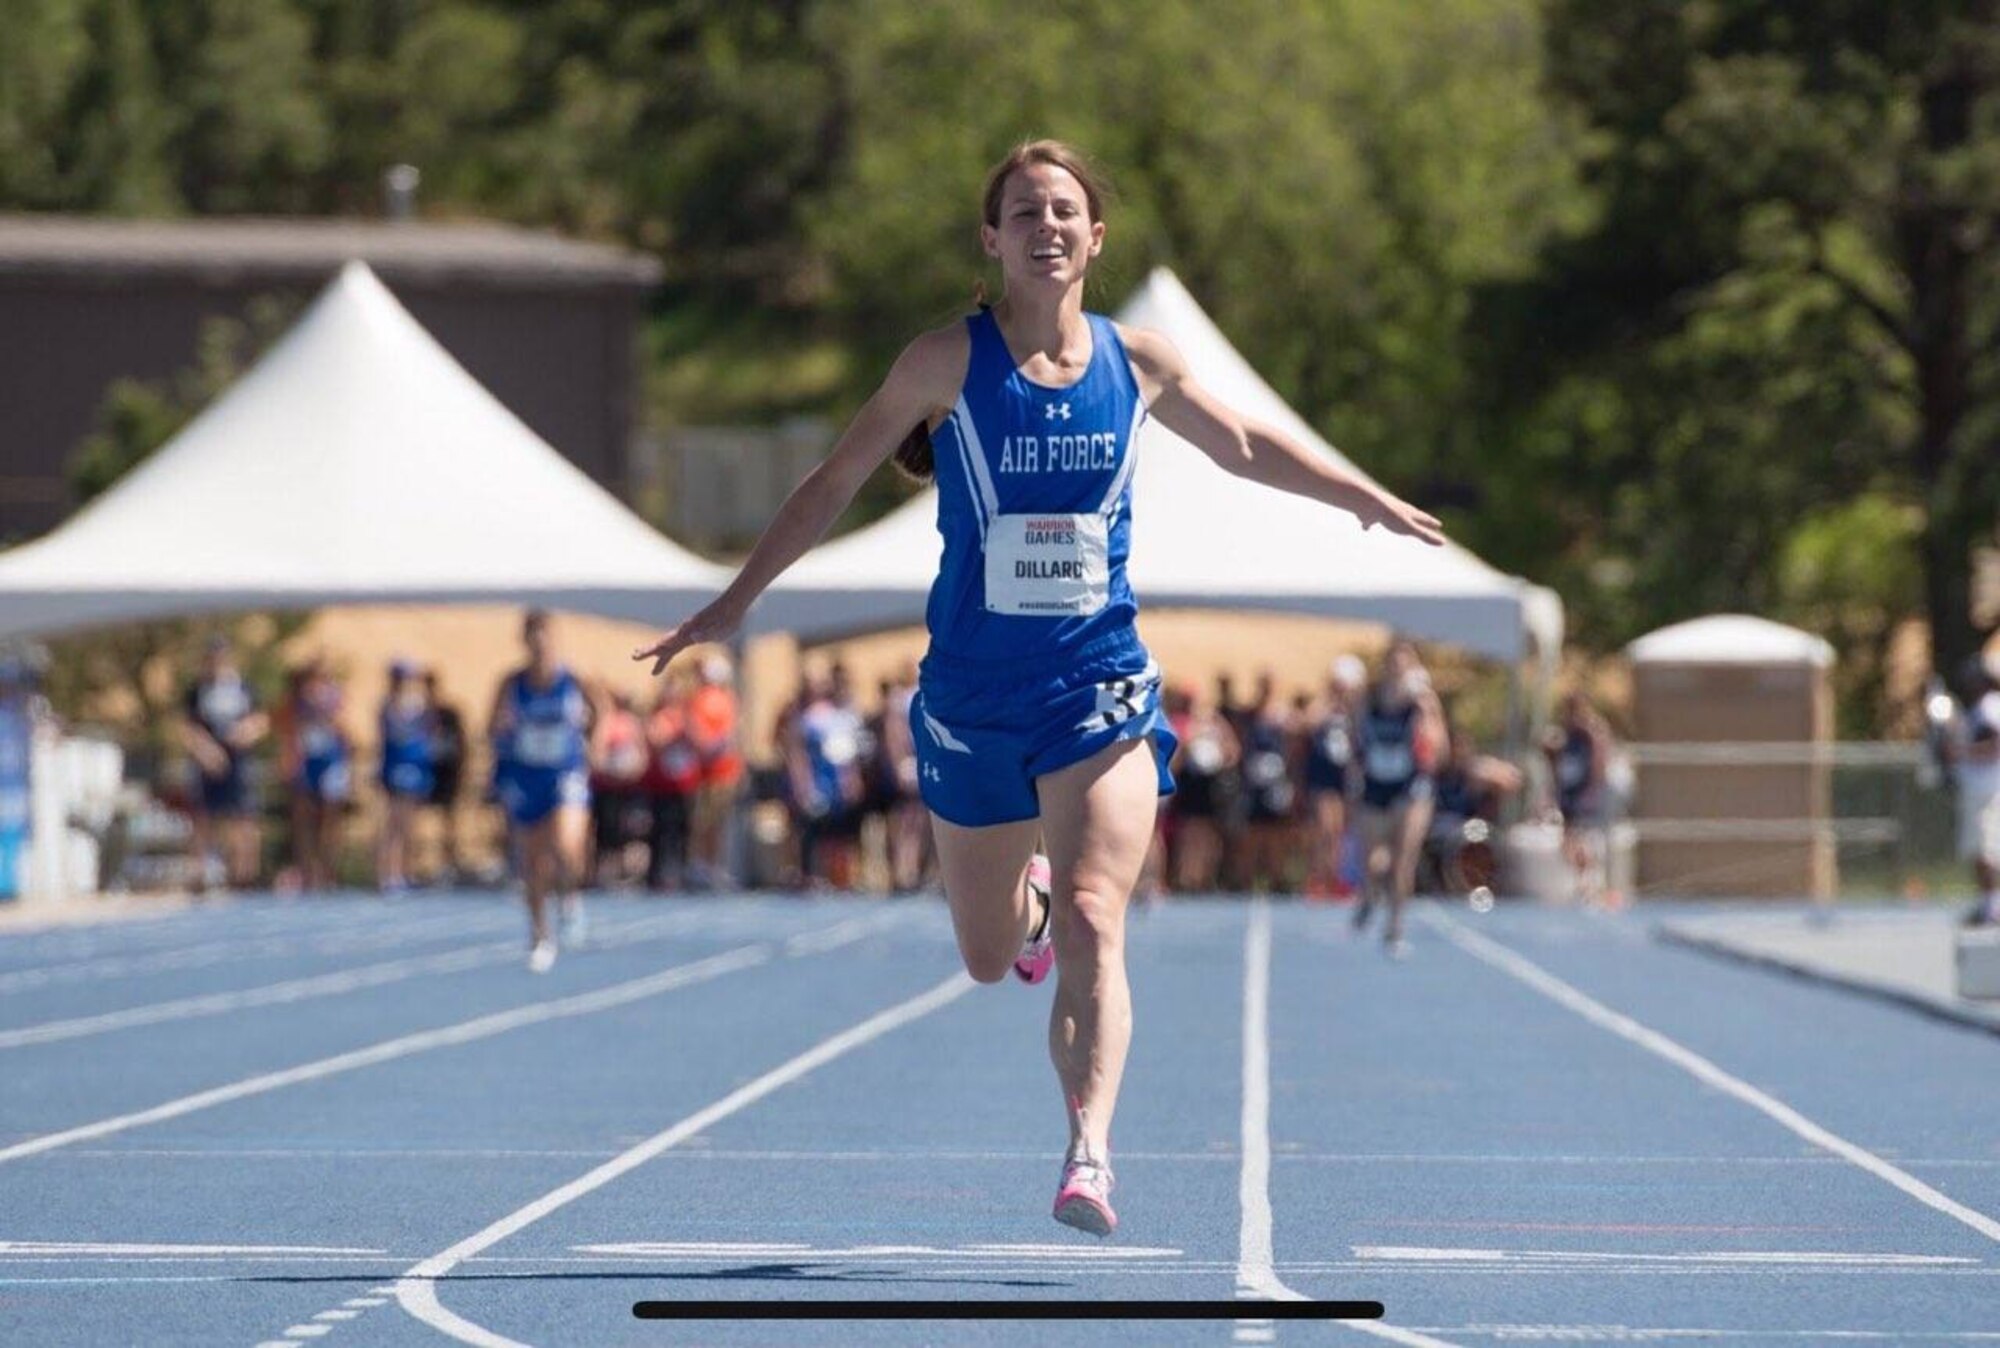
x=1679, y=305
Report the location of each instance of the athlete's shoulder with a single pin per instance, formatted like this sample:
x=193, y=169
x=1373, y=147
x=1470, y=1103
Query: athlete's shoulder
x=1153, y=352
x=933, y=365
x=1156, y=361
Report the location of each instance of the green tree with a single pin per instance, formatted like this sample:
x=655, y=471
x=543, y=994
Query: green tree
x=1851, y=574
x=1788, y=298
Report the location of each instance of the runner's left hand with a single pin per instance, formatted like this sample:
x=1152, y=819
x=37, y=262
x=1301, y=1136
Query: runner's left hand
x=717, y=622
x=1400, y=517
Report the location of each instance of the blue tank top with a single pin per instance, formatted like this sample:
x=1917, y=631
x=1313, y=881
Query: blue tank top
x=1035, y=503
x=1574, y=788
x=320, y=742
x=409, y=735
x=1389, y=746
x=547, y=722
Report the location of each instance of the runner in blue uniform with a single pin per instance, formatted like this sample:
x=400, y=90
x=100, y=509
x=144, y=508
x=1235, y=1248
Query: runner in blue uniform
x=1579, y=751
x=407, y=729
x=1037, y=717
x=323, y=777
x=1402, y=736
x=540, y=729
x=1330, y=784
x=222, y=723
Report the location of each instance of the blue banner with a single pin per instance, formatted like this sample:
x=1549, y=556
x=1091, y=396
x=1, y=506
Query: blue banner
x=16, y=752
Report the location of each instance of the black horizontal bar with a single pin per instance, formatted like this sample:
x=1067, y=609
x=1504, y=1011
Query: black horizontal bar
x=1007, y=1310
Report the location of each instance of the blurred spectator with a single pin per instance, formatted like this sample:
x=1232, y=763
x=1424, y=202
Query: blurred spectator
x=1471, y=789
x=822, y=766
x=673, y=780
x=1204, y=768
x=906, y=823
x=712, y=717
x=1329, y=785
x=316, y=762
x=447, y=771
x=1975, y=757
x=1231, y=806
x=618, y=760
x=1270, y=798
x=221, y=724
x=1579, y=749
x=1402, y=737
x=409, y=756
x=18, y=700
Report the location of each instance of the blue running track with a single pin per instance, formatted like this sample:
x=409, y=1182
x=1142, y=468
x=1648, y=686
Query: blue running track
x=350, y=1121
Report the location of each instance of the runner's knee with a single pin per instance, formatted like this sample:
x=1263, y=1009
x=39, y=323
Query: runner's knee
x=987, y=965
x=1090, y=924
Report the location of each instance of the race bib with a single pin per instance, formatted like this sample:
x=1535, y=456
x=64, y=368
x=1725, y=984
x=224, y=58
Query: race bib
x=540, y=744
x=1047, y=566
x=1334, y=746
x=1391, y=762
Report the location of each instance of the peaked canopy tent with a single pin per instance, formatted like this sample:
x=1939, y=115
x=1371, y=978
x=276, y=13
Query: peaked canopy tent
x=1203, y=538
x=357, y=462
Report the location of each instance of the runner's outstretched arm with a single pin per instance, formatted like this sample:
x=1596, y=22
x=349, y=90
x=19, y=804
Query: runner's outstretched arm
x=912, y=393
x=1261, y=453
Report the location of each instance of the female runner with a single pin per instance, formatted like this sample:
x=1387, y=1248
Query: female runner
x=1037, y=715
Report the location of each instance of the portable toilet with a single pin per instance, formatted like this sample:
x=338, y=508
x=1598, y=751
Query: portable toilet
x=1733, y=718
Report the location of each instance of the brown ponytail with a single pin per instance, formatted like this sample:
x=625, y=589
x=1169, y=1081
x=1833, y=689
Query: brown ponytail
x=914, y=458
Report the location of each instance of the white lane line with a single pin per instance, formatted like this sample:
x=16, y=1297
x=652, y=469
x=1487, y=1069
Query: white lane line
x=1764, y=1258
x=416, y=1291
x=308, y=1331
x=832, y=938
x=363, y=1303
x=1541, y=980
x=336, y=1316
x=1646, y=1333
x=216, y=952
x=1256, y=1278
x=710, y=1250
x=10, y=1248
x=901, y=1155
x=404, y=1046
x=333, y=984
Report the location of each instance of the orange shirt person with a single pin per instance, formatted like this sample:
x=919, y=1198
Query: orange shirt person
x=711, y=729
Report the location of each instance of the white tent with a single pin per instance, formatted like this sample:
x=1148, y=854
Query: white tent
x=356, y=463
x=1202, y=537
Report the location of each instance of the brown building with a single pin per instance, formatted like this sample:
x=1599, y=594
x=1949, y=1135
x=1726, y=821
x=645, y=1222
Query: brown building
x=549, y=325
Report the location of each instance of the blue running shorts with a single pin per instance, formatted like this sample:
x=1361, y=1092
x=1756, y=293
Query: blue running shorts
x=407, y=779
x=327, y=779
x=986, y=729
x=530, y=795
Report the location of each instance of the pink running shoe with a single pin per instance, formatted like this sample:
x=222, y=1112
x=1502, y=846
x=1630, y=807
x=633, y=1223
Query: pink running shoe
x=1038, y=952
x=1084, y=1200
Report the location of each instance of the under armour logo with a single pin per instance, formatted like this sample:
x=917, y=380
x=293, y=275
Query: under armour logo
x=1051, y=411
x=931, y=773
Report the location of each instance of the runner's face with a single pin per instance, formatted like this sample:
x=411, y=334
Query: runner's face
x=1045, y=235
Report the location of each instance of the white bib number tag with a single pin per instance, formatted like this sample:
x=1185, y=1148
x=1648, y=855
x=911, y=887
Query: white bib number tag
x=1048, y=566
x=541, y=745
x=1391, y=762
